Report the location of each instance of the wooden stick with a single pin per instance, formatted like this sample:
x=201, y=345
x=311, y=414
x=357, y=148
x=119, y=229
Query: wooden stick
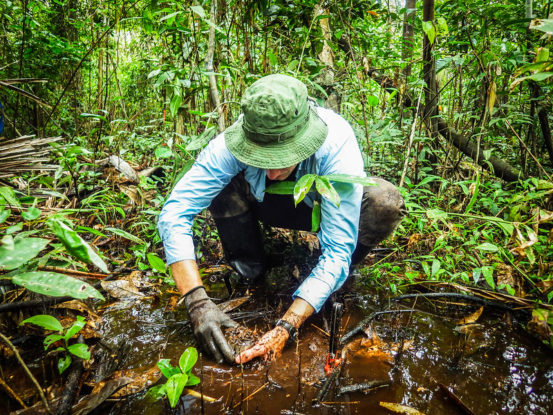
x=321, y=330
x=28, y=372
x=12, y=393
x=198, y=395
x=251, y=394
x=73, y=272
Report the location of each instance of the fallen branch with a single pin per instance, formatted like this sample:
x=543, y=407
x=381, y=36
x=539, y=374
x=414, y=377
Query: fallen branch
x=27, y=371
x=247, y=398
x=360, y=328
x=363, y=387
x=466, y=297
x=12, y=393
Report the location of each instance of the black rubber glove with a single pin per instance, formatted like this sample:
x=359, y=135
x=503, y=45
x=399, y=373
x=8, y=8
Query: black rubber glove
x=207, y=320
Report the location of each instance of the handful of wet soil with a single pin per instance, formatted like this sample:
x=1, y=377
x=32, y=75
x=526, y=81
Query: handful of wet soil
x=241, y=338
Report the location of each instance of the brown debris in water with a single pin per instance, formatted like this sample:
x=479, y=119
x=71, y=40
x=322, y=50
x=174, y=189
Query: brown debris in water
x=241, y=338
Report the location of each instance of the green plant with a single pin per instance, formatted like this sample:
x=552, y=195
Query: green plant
x=177, y=377
x=48, y=322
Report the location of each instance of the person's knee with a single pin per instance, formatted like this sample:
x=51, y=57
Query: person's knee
x=381, y=211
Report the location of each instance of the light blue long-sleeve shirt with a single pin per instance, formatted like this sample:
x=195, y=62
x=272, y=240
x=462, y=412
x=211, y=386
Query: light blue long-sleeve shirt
x=216, y=166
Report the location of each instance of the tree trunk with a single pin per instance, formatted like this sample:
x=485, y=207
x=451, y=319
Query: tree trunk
x=214, y=93
x=429, y=73
x=407, y=48
x=546, y=132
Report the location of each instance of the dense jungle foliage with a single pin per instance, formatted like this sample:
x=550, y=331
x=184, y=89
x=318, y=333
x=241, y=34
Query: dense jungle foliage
x=106, y=104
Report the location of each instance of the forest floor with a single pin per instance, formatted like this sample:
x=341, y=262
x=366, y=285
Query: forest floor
x=438, y=355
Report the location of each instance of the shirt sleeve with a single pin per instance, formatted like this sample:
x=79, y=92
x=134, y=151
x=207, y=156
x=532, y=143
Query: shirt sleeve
x=339, y=227
x=210, y=173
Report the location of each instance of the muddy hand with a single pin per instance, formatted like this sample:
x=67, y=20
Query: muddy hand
x=269, y=346
x=207, y=320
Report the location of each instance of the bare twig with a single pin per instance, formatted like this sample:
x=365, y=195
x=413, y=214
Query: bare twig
x=27, y=371
x=411, y=136
x=252, y=394
x=12, y=393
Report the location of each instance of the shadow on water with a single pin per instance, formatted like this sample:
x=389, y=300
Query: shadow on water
x=431, y=361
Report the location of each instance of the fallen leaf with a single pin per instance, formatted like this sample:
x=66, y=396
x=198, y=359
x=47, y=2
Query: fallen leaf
x=121, y=289
x=230, y=305
x=400, y=409
x=138, y=380
x=471, y=318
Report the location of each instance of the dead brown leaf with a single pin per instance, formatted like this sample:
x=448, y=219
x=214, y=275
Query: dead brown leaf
x=471, y=318
x=400, y=409
x=413, y=239
x=122, y=289
x=505, y=275
x=139, y=379
x=538, y=325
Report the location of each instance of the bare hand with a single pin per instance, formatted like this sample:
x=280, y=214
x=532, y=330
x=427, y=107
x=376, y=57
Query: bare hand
x=269, y=346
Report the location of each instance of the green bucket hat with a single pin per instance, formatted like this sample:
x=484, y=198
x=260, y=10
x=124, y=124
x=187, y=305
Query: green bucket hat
x=279, y=127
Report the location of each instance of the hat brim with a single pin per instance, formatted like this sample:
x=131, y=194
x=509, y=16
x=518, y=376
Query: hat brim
x=277, y=155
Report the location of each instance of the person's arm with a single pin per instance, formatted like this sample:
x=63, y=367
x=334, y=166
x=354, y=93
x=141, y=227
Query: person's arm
x=271, y=344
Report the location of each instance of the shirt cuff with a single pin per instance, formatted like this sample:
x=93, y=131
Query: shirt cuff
x=178, y=248
x=315, y=291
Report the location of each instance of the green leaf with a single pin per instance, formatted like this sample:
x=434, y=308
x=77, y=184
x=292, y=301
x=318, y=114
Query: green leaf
x=199, y=10
x=192, y=380
x=126, y=235
x=174, y=387
x=372, y=100
x=157, y=392
x=63, y=363
x=45, y=321
x=302, y=187
x=442, y=26
x=52, y=338
x=316, y=217
x=163, y=152
x=488, y=247
x=436, y=214
x=200, y=141
x=7, y=194
x=4, y=214
x=75, y=328
x=156, y=262
x=476, y=273
x=487, y=272
x=166, y=368
x=325, y=188
x=24, y=249
x=281, y=188
x=346, y=178
x=429, y=30
x=175, y=104
x=76, y=245
x=188, y=359
x=544, y=25
x=57, y=285
x=31, y=214
x=79, y=350
x=436, y=265
x=94, y=116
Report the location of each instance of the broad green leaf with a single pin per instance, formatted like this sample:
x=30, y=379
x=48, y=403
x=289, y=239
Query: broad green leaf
x=436, y=214
x=4, y=214
x=76, y=245
x=174, y=387
x=316, y=217
x=95, y=116
x=281, y=188
x=126, y=235
x=346, y=178
x=57, y=285
x=45, y=321
x=544, y=25
x=200, y=141
x=488, y=247
x=8, y=242
x=192, y=380
x=79, y=350
x=166, y=368
x=75, y=328
x=487, y=272
x=188, y=359
x=31, y=214
x=436, y=265
x=157, y=392
x=163, y=152
x=175, y=104
x=430, y=30
x=63, y=363
x=372, y=100
x=325, y=188
x=23, y=251
x=7, y=194
x=302, y=187
x=14, y=228
x=52, y=338
x=199, y=10
x=476, y=273
x=156, y=262
x=442, y=26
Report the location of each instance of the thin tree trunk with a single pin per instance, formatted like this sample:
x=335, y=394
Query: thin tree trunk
x=546, y=132
x=214, y=93
x=429, y=73
x=407, y=47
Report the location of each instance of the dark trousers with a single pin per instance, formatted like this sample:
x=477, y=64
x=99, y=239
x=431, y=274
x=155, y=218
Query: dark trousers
x=237, y=214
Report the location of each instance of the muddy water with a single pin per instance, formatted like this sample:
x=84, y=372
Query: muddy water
x=491, y=367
